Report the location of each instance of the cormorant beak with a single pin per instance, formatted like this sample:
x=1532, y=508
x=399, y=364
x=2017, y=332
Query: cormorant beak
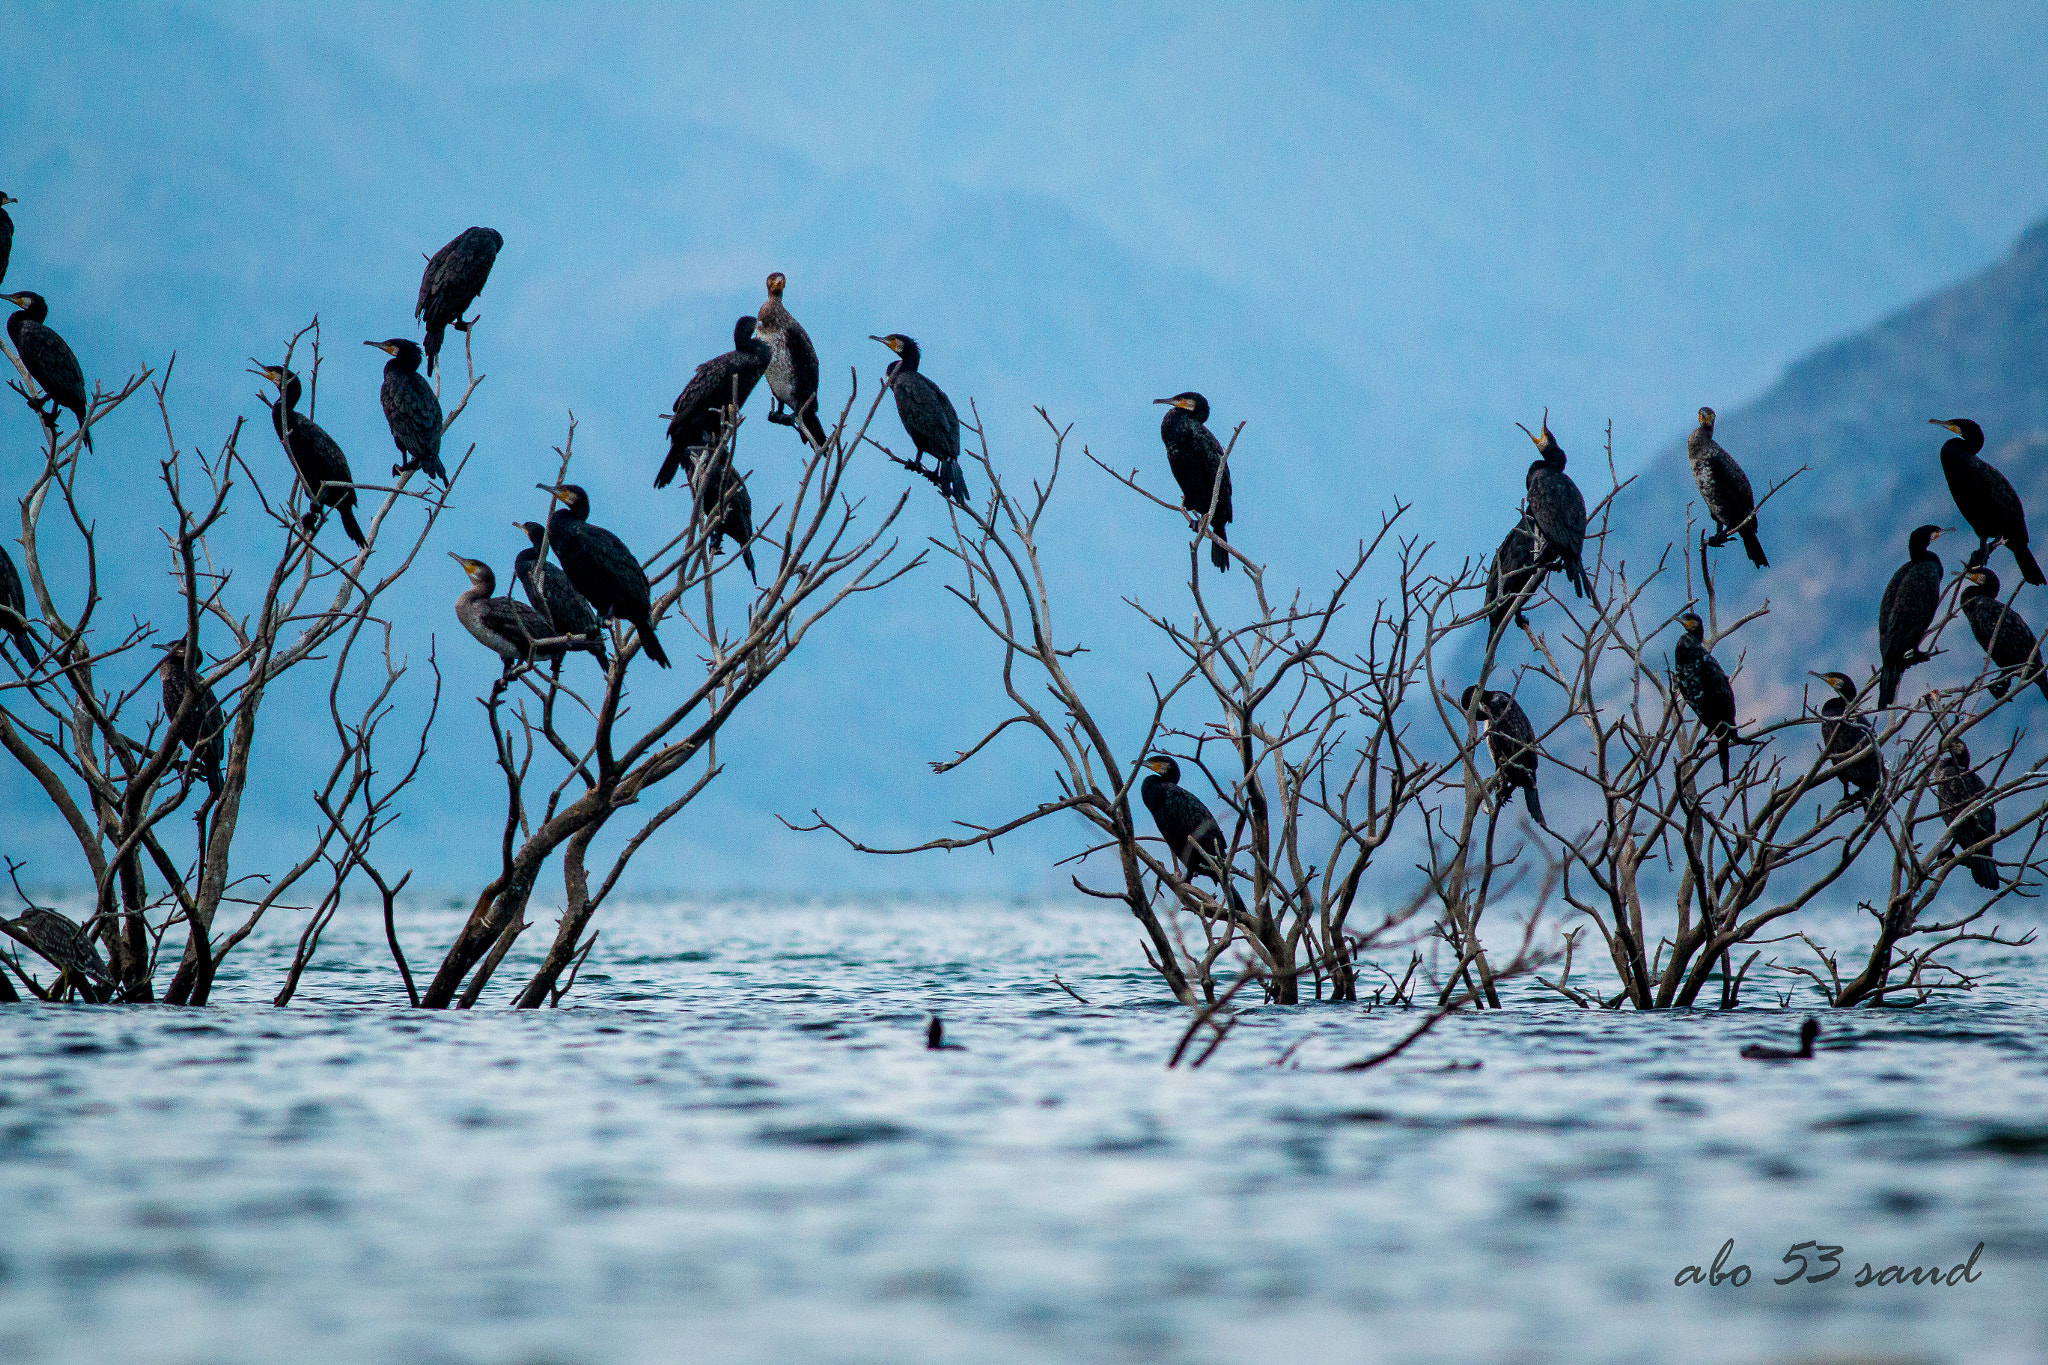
x=1530, y=434
x=885, y=341
x=6, y=198
x=1168, y=401
x=1937, y=422
x=14, y=299
x=553, y=491
x=465, y=563
x=386, y=347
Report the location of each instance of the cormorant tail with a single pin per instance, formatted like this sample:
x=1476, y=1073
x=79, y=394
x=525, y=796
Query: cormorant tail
x=434, y=469
x=650, y=644
x=954, y=482
x=1887, y=684
x=2024, y=557
x=433, y=346
x=1236, y=902
x=1754, y=547
x=348, y=524
x=1219, y=556
x=747, y=556
x=1535, y=805
x=669, y=466
x=25, y=644
x=1984, y=871
x=1724, y=759
x=86, y=432
x=1575, y=570
x=812, y=428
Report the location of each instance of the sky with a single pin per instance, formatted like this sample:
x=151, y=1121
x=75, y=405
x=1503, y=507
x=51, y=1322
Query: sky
x=1379, y=236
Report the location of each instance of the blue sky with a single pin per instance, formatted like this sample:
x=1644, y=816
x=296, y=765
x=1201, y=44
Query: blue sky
x=1381, y=236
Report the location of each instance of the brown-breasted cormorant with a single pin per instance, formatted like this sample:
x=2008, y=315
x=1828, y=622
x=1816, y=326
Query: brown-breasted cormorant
x=554, y=596
x=600, y=566
x=1808, y=1031
x=1984, y=496
x=1195, y=456
x=452, y=280
x=205, y=729
x=6, y=231
x=793, y=369
x=505, y=625
x=14, y=611
x=2007, y=640
x=725, y=380
x=1512, y=578
x=1556, y=507
x=320, y=465
x=1956, y=786
x=1848, y=737
x=48, y=359
x=927, y=415
x=1910, y=601
x=1511, y=739
x=1724, y=488
x=1194, y=840
x=411, y=410
x=1704, y=685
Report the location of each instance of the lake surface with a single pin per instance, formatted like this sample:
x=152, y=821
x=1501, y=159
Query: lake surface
x=730, y=1144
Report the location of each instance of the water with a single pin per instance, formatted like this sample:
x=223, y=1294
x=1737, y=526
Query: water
x=732, y=1145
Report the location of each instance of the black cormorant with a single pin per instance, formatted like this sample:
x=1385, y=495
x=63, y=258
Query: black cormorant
x=1984, y=496
x=204, y=731
x=452, y=280
x=1808, y=1031
x=554, y=596
x=1725, y=490
x=1193, y=839
x=1556, y=507
x=6, y=231
x=505, y=625
x=793, y=372
x=1512, y=578
x=927, y=415
x=48, y=360
x=716, y=489
x=600, y=566
x=1843, y=733
x=698, y=418
x=321, y=466
x=1511, y=739
x=1908, y=608
x=14, y=610
x=411, y=409
x=2007, y=640
x=1704, y=685
x=1195, y=456
x=1956, y=786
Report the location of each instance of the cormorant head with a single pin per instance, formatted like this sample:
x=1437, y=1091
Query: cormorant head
x=901, y=345
x=1691, y=624
x=742, y=332
x=1961, y=426
x=535, y=532
x=1986, y=581
x=572, y=497
x=1190, y=402
x=6, y=199
x=29, y=302
x=1922, y=537
x=1165, y=766
x=1841, y=682
x=480, y=574
x=176, y=656
x=776, y=283
x=404, y=349
x=1707, y=420
x=1957, y=750
x=1546, y=444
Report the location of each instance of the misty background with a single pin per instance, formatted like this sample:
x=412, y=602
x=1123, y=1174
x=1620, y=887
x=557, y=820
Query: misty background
x=1378, y=239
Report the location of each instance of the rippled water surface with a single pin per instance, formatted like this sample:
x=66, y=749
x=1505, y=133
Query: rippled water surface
x=732, y=1145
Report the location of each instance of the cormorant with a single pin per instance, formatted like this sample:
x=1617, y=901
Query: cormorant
x=14, y=611
x=1906, y=612
x=411, y=409
x=600, y=566
x=1195, y=456
x=321, y=466
x=793, y=372
x=1724, y=488
x=717, y=489
x=1956, y=786
x=1808, y=1031
x=1556, y=507
x=698, y=419
x=1844, y=733
x=1704, y=685
x=1193, y=838
x=1984, y=496
x=451, y=282
x=505, y=625
x=1511, y=739
x=927, y=415
x=204, y=731
x=6, y=231
x=2008, y=641
x=554, y=596
x=1513, y=572
x=48, y=360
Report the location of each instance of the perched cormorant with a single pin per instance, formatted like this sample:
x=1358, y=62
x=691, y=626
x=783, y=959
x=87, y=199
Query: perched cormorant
x=411, y=409
x=14, y=610
x=1513, y=572
x=205, y=729
x=321, y=466
x=2008, y=641
x=6, y=231
x=793, y=371
x=1906, y=612
x=1556, y=507
x=1844, y=733
x=927, y=415
x=698, y=418
x=1724, y=488
x=1984, y=496
x=554, y=596
x=1193, y=838
x=1195, y=456
x=1704, y=685
x=451, y=282
x=1808, y=1031
x=1511, y=739
x=717, y=489
x=600, y=566
x=1956, y=786
x=505, y=625
x=48, y=360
